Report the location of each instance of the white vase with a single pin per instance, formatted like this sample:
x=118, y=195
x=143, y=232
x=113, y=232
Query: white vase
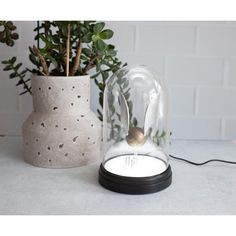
x=62, y=131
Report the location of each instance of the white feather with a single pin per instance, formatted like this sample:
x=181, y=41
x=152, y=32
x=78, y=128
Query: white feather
x=124, y=113
x=150, y=118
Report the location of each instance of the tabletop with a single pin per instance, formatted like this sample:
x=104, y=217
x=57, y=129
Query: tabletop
x=209, y=189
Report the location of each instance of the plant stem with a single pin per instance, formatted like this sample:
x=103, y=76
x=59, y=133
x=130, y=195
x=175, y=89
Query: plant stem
x=89, y=66
x=42, y=60
x=68, y=51
x=77, y=60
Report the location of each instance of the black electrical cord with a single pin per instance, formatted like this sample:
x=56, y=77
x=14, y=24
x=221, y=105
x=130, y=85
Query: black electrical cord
x=202, y=163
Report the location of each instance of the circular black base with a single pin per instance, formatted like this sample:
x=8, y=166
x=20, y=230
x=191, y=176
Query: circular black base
x=134, y=185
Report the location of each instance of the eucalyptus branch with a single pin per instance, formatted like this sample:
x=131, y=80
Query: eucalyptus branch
x=11, y=66
x=22, y=81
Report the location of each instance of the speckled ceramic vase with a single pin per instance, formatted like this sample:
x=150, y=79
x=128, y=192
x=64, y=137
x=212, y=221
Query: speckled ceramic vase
x=62, y=131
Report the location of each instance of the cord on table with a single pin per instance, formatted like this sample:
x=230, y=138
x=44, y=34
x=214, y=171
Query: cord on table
x=202, y=163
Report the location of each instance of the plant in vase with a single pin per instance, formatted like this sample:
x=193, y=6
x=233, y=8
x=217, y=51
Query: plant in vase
x=62, y=131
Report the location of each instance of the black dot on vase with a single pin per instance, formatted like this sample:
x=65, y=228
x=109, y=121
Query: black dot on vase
x=82, y=115
x=78, y=96
x=55, y=108
x=49, y=88
x=77, y=119
x=87, y=100
x=73, y=87
x=65, y=128
x=50, y=160
x=61, y=145
x=94, y=142
x=72, y=104
x=56, y=126
x=62, y=89
x=82, y=154
x=36, y=140
x=39, y=89
x=66, y=154
x=91, y=125
x=49, y=148
x=42, y=124
x=32, y=123
x=38, y=153
x=88, y=138
x=74, y=139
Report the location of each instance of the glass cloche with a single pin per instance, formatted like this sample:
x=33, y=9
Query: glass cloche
x=135, y=133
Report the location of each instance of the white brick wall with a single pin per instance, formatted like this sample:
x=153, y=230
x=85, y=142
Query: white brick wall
x=194, y=71
x=197, y=60
x=166, y=39
x=217, y=40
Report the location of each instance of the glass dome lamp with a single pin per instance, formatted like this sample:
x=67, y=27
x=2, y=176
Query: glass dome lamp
x=135, y=133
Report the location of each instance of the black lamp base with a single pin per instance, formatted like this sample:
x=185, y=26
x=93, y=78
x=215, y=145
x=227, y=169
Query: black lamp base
x=134, y=185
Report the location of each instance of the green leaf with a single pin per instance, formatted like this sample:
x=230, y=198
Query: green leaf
x=23, y=92
x=10, y=25
x=111, y=53
x=2, y=35
x=33, y=60
x=130, y=105
x=5, y=62
x=95, y=38
x=106, y=34
x=110, y=47
x=105, y=75
x=99, y=112
x=163, y=134
x=12, y=75
x=87, y=38
x=18, y=66
x=97, y=28
x=10, y=42
x=87, y=51
x=19, y=82
x=13, y=60
x=101, y=86
x=14, y=36
x=83, y=57
x=7, y=68
x=53, y=60
x=135, y=122
x=101, y=100
x=100, y=45
x=94, y=77
x=126, y=84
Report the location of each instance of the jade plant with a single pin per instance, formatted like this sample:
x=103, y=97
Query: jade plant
x=64, y=48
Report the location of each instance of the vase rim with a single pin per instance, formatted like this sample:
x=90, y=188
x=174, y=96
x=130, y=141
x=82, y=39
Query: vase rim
x=81, y=77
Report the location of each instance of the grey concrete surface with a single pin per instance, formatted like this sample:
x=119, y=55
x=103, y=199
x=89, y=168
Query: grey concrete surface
x=209, y=189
